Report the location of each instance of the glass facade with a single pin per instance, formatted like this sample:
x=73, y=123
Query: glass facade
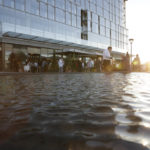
x=103, y=26
x=25, y=50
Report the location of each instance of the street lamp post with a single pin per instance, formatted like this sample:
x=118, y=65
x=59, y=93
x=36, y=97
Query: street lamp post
x=131, y=42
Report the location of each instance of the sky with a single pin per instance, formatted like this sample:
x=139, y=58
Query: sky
x=138, y=24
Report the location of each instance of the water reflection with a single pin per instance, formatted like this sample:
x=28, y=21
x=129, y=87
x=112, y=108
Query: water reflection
x=75, y=112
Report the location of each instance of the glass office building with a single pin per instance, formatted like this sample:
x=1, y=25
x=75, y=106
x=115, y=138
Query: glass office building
x=42, y=26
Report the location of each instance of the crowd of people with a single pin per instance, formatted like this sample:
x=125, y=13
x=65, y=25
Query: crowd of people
x=61, y=64
x=54, y=65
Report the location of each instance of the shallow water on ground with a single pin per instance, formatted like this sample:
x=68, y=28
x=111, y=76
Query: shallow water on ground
x=75, y=111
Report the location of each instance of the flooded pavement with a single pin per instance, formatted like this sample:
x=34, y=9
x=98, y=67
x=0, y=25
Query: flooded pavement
x=75, y=112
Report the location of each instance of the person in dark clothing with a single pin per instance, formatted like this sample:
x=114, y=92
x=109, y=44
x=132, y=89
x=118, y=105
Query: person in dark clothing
x=98, y=65
x=127, y=62
x=136, y=63
x=12, y=62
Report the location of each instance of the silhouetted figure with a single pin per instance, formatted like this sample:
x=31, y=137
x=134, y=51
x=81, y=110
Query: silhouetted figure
x=127, y=62
x=98, y=65
x=136, y=63
x=12, y=62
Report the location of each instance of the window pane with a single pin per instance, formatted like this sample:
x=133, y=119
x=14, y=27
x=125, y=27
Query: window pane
x=74, y=20
x=50, y=12
x=44, y=1
x=21, y=19
x=74, y=9
x=43, y=10
x=0, y=2
x=60, y=15
x=68, y=6
x=78, y=2
x=19, y=4
x=78, y=22
x=9, y=3
x=50, y=2
x=68, y=18
x=32, y=6
x=60, y=4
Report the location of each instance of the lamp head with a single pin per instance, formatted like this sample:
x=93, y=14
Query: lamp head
x=131, y=40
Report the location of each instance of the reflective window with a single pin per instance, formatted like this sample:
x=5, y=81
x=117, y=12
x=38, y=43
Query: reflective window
x=102, y=29
x=100, y=3
x=95, y=27
x=44, y=52
x=74, y=9
x=102, y=21
x=51, y=2
x=60, y=4
x=33, y=50
x=107, y=23
x=99, y=11
x=107, y=32
x=87, y=4
x=106, y=14
x=92, y=7
x=50, y=12
x=9, y=3
x=60, y=15
x=19, y=4
x=32, y=6
x=0, y=2
x=68, y=6
x=8, y=55
x=78, y=22
x=38, y=23
x=43, y=10
x=78, y=11
x=106, y=5
x=7, y=15
x=68, y=18
x=78, y=2
x=94, y=18
x=44, y=1
x=74, y=20
x=21, y=19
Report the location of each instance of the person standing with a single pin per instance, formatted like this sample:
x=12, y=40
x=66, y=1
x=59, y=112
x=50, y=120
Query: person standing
x=61, y=65
x=83, y=66
x=136, y=63
x=107, y=59
x=127, y=62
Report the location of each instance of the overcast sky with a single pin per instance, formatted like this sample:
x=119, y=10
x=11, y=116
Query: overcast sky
x=138, y=23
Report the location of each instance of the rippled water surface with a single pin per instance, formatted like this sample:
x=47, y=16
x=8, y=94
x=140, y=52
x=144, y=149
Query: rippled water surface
x=75, y=112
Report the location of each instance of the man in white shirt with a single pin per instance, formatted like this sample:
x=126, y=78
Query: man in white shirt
x=107, y=58
x=61, y=65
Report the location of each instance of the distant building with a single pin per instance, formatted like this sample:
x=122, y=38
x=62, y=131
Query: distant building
x=46, y=26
